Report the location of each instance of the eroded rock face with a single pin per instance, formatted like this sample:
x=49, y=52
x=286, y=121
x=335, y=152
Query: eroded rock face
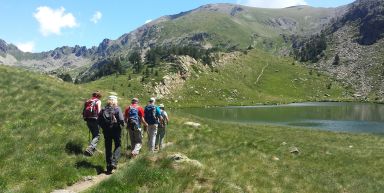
x=185, y=67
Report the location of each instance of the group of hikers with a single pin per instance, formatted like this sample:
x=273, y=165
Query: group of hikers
x=153, y=119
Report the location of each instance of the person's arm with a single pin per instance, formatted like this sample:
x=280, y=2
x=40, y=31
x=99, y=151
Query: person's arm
x=121, y=117
x=98, y=103
x=141, y=115
x=166, y=118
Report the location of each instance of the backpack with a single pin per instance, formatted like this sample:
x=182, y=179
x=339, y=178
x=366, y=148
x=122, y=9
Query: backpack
x=91, y=109
x=150, y=114
x=107, y=117
x=133, y=114
x=162, y=122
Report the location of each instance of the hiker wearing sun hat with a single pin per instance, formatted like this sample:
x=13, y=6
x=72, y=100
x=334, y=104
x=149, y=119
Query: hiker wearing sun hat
x=152, y=117
x=161, y=128
x=134, y=117
x=111, y=120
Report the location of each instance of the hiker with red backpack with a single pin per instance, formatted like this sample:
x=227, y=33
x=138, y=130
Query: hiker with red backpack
x=91, y=110
x=111, y=121
x=134, y=117
x=152, y=116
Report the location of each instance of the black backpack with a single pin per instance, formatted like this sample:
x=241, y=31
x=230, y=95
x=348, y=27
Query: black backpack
x=107, y=117
x=150, y=114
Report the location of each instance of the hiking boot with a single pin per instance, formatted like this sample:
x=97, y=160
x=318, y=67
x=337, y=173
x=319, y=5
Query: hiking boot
x=109, y=171
x=89, y=152
x=114, y=166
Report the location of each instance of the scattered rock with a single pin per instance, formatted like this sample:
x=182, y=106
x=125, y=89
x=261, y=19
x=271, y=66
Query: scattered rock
x=180, y=158
x=192, y=124
x=351, y=146
x=274, y=158
x=294, y=150
x=284, y=143
x=88, y=178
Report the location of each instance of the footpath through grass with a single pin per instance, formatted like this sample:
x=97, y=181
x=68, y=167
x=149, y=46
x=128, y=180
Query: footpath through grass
x=42, y=133
x=250, y=158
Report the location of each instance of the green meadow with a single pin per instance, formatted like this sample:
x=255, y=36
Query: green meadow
x=248, y=158
x=43, y=135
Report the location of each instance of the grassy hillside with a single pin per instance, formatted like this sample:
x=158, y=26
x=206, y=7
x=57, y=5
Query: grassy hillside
x=244, y=158
x=252, y=78
x=244, y=26
x=259, y=77
x=42, y=133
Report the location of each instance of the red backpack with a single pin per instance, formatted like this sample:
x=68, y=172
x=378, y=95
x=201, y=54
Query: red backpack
x=91, y=110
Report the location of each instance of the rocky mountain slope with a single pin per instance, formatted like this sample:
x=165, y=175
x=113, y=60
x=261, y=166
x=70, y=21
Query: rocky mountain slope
x=355, y=49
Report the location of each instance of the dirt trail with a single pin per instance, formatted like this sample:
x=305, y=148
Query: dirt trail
x=89, y=181
x=84, y=184
x=261, y=74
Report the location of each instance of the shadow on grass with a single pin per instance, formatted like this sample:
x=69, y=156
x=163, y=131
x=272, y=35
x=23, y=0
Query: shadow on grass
x=88, y=165
x=74, y=147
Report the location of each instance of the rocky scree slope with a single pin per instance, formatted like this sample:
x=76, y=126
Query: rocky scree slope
x=354, y=54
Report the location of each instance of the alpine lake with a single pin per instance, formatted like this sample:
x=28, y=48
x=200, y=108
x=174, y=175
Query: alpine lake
x=332, y=116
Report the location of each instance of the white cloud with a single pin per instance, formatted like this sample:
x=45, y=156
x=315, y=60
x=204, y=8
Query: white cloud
x=96, y=17
x=26, y=46
x=149, y=20
x=272, y=3
x=53, y=20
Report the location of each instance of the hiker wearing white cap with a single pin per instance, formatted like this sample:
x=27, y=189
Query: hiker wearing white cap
x=161, y=129
x=91, y=110
x=111, y=120
x=152, y=116
x=134, y=117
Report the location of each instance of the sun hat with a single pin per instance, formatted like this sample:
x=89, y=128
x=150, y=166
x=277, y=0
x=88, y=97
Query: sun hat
x=161, y=106
x=112, y=97
x=152, y=99
x=135, y=100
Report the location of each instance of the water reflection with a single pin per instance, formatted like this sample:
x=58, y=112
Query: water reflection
x=351, y=117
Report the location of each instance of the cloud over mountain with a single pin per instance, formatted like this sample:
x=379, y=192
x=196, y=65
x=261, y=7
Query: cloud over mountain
x=26, y=46
x=52, y=21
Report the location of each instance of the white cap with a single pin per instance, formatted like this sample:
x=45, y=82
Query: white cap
x=152, y=99
x=112, y=97
x=161, y=105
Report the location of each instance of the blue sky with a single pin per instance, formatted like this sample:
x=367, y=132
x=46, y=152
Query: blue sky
x=42, y=25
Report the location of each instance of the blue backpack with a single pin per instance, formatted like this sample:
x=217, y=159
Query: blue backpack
x=133, y=115
x=150, y=114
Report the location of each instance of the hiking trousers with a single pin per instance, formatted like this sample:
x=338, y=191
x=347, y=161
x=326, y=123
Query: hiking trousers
x=112, y=135
x=160, y=136
x=94, y=129
x=136, y=138
x=152, y=132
